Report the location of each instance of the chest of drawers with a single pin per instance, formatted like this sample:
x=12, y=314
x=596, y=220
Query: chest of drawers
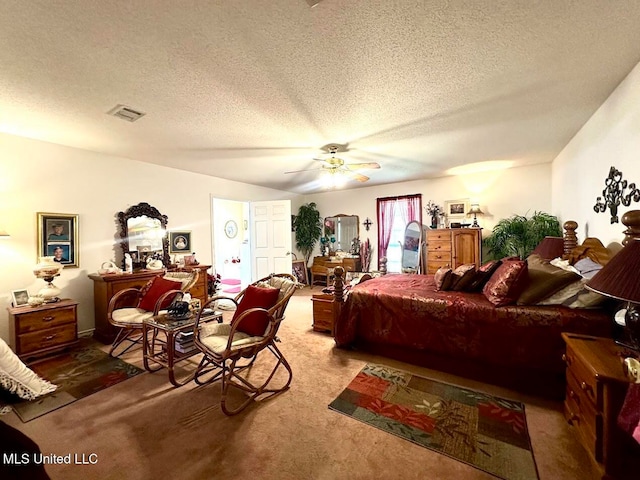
x=452, y=247
x=596, y=387
x=323, y=312
x=38, y=331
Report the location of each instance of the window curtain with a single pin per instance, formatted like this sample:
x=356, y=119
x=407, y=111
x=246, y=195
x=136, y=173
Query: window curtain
x=407, y=207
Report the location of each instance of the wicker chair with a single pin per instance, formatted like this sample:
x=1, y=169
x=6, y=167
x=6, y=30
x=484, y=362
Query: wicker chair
x=224, y=345
x=124, y=310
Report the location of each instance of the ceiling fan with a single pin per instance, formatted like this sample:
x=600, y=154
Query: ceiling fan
x=335, y=166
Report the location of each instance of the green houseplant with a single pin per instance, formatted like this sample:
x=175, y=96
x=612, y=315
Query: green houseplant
x=519, y=235
x=308, y=227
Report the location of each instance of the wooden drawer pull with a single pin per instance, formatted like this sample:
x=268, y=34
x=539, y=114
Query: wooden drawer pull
x=573, y=418
x=438, y=256
x=574, y=396
x=566, y=359
x=48, y=318
x=49, y=337
x=586, y=387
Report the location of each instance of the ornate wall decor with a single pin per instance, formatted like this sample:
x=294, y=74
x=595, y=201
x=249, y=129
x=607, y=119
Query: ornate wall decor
x=614, y=194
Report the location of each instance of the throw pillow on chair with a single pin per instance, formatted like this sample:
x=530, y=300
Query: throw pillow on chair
x=255, y=323
x=158, y=287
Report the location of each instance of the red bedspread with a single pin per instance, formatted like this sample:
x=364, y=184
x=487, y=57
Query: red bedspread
x=407, y=311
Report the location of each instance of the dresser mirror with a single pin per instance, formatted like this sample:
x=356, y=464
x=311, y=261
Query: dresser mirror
x=340, y=231
x=143, y=230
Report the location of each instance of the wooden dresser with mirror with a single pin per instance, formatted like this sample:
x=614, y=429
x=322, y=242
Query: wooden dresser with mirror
x=143, y=232
x=338, y=247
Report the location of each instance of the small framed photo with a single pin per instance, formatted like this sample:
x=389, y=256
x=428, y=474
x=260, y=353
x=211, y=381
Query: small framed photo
x=58, y=237
x=190, y=260
x=20, y=298
x=299, y=270
x=456, y=208
x=179, y=242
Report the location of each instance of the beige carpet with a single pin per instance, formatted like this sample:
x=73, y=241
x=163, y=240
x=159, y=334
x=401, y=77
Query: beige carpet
x=144, y=428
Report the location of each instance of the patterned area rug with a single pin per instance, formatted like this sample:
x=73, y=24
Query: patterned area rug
x=78, y=374
x=487, y=432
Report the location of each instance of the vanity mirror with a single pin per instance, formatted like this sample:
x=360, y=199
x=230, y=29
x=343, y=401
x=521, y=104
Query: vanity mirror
x=143, y=230
x=340, y=230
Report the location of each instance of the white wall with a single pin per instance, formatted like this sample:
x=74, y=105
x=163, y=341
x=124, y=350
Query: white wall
x=610, y=138
x=43, y=177
x=500, y=193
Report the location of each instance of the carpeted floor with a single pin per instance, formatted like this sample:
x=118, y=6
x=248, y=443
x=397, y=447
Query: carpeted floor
x=482, y=430
x=145, y=428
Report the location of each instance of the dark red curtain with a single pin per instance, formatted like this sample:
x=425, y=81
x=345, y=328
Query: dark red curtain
x=408, y=207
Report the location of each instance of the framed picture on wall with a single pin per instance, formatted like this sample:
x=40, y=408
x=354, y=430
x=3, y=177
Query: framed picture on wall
x=179, y=242
x=456, y=208
x=58, y=237
x=299, y=270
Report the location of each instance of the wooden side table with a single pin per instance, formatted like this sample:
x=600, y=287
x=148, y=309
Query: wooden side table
x=596, y=388
x=38, y=331
x=324, y=307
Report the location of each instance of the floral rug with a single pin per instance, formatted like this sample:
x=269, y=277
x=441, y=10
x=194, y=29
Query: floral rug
x=77, y=373
x=487, y=432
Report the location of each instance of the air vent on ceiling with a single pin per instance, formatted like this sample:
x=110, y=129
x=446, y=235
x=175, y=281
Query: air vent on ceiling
x=125, y=113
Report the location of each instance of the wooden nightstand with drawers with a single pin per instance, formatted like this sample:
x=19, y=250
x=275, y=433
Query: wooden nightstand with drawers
x=38, y=331
x=596, y=388
x=323, y=312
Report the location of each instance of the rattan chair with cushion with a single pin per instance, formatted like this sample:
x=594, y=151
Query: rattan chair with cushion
x=230, y=349
x=130, y=307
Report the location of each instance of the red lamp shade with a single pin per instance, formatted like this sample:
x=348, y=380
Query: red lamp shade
x=620, y=278
x=550, y=248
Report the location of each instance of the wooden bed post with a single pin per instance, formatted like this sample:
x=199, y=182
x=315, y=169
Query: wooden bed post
x=338, y=285
x=631, y=220
x=570, y=237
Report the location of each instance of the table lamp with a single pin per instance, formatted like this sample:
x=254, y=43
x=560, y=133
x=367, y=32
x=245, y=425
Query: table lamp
x=550, y=248
x=475, y=210
x=48, y=269
x=620, y=279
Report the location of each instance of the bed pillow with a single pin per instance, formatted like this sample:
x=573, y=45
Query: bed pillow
x=564, y=294
x=255, y=324
x=507, y=283
x=158, y=287
x=463, y=276
x=483, y=274
x=443, y=278
x=19, y=379
x=587, y=268
x=544, y=280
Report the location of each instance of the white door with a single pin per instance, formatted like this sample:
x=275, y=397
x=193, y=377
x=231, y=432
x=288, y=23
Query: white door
x=270, y=238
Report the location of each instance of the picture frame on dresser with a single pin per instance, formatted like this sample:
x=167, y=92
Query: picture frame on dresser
x=20, y=298
x=455, y=209
x=58, y=237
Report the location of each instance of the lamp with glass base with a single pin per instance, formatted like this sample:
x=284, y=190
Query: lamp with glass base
x=48, y=269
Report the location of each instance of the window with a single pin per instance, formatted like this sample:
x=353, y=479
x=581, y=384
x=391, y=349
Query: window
x=393, y=215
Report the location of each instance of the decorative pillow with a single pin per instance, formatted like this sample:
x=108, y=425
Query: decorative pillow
x=19, y=379
x=544, y=280
x=585, y=299
x=587, y=267
x=158, y=287
x=463, y=276
x=507, y=283
x=564, y=294
x=564, y=264
x=483, y=274
x=255, y=323
x=443, y=278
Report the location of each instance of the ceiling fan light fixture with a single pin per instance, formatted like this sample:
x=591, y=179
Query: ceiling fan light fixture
x=333, y=178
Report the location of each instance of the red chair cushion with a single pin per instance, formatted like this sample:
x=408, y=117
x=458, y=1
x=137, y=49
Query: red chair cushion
x=158, y=287
x=255, y=297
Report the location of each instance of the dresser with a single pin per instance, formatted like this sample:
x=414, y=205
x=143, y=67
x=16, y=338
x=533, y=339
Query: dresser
x=452, y=247
x=106, y=286
x=38, y=331
x=322, y=268
x=596, y=388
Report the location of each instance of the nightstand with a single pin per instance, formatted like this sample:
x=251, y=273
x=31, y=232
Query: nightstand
x=38, y=331
x=323, y=312
x=596, y=388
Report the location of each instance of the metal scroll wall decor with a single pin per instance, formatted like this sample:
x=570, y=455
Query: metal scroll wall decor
x=614, y=193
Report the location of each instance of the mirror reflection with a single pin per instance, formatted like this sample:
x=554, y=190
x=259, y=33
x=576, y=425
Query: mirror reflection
x=411, y=248
x=143, y=234
x=340, y=232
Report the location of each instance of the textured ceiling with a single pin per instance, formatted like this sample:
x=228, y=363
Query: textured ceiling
x=249, y=89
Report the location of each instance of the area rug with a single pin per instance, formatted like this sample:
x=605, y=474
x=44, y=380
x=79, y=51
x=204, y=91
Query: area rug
x=487, y=432
x=78, y=373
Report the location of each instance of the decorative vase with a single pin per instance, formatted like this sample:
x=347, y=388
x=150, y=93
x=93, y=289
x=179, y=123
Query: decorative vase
x=434, y=221
x=48, y=269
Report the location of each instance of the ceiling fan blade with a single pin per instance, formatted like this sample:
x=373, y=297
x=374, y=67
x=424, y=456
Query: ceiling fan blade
x=358, y=166
x=355, y=176
x=305, y=170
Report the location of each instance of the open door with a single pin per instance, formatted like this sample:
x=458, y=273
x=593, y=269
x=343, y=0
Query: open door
x=270, y=238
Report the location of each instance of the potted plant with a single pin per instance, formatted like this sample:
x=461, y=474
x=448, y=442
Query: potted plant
x=308, y=227
x=519, y=235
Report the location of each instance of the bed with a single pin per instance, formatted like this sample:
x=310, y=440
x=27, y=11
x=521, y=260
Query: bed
x=403, y=316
